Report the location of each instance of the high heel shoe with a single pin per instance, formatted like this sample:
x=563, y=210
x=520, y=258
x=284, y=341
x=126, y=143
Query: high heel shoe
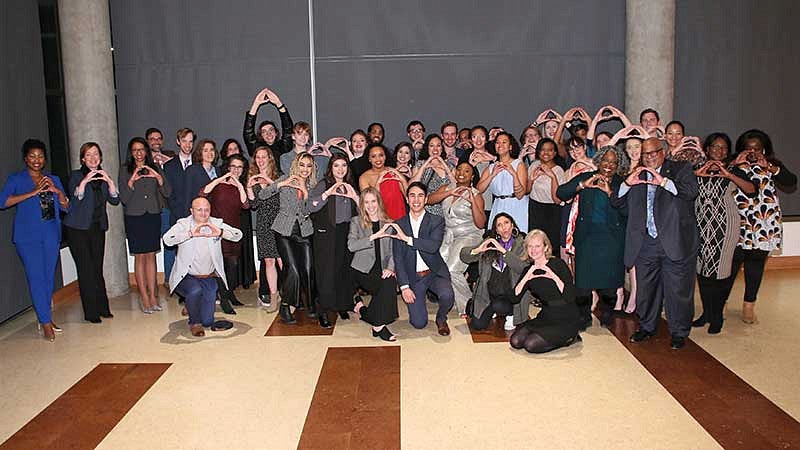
x=699, y=322
x=344, y=315
x=225, y=304
x=384, y=334
x=749, y=312
x=234, y=301
x=286, y=315
x=49, y=332
x=56, y=328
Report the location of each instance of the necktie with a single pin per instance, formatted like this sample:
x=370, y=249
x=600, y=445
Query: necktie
x=651, y=219
x=185, y=164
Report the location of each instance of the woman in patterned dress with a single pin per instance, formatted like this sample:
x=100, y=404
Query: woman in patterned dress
x=718, y=222
x=434, y=171
x=762, y=227
x=263, y=172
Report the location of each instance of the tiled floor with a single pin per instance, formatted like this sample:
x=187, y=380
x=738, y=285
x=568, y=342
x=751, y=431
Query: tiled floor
x=241, y=389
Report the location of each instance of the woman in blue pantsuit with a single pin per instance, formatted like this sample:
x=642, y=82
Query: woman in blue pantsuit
x=39, y=199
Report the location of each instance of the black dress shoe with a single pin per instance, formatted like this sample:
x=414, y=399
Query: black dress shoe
x=606, y=318
x=384, y=334
x=323, y=320
x=226, y=307
x=286, y=315
x=344, y=315
x=94, y=320
x=677, y=342
x=699, y=322
x=714, y=329
x=312, y=311
x=107, y=316
x=640, y=336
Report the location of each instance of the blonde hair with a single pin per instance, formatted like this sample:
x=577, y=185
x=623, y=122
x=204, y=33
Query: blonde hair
x=365, y=222
x=271, y=170
x=295, y=168
x=537, y=233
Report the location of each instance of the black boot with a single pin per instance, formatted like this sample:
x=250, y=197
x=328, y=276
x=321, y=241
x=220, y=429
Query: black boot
x=286, y=315
x=225, y=304
x=323, y=320
x=234, y=301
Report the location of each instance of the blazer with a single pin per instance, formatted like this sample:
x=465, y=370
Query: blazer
x=28, y=223
x=179, y=235
x=81, y=210
x=616, y=216
x=431, y=234
x=513, y=259
x=147, y=198
x=364, y=250
x=176, y=202
x=674, y=214
x=292, y=210
x=194, y=180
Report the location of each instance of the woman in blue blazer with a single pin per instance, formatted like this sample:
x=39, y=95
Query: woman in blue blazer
x=90, y=188
x=39, y=199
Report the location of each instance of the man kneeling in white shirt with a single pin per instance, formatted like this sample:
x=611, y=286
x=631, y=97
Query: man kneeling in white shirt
x=199, y=261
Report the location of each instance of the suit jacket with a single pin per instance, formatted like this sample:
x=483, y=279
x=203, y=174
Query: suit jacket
x=147, y=197
x=674, y=214
x=179, y=235
x=292, y=210
x=177, y=202
x=81, y=210
x=195, y=179
x=431, y=234
x=364, y=250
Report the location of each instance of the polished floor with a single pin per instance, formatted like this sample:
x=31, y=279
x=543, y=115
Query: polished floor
x=142, y=381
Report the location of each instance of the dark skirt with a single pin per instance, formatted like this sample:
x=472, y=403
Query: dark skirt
x=557, y=324
x=144, y=233
x=546, y=217
x=599, y=259
x=332, y=268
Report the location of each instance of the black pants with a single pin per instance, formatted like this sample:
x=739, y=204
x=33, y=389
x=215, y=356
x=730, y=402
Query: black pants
x=231, y=265
x=382, y=309
x=297, y=273
x=754, y=262
x=714, y=293
x=500, y=305
x=88, y=248
x=332, y=272
x=546, y=217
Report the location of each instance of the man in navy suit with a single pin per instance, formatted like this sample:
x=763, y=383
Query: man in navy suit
x=179, y=201
x=661, y=241
x=420, y=268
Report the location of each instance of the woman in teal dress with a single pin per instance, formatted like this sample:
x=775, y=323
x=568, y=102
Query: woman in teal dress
x=599, y=236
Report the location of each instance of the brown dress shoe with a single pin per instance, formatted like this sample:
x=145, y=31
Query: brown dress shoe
x=197, y=330
x=444, y=330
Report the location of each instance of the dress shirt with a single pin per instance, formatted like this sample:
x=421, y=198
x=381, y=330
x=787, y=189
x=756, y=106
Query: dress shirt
x=186, y=160
x=415, y=224
x=202, y=262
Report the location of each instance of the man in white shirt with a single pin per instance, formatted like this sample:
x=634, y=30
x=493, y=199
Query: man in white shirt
x=199, y=262
x=420, y=268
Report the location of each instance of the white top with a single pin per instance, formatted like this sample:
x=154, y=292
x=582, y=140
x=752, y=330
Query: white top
x=415, y=224
x=541, y=191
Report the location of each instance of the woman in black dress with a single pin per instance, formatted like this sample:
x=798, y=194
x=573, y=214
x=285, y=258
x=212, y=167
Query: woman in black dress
x=373, y=264
x=263, y=172
x=549, y=280
x=332, y=203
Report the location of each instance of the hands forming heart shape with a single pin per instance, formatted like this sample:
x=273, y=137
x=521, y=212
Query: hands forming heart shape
x=206, y=230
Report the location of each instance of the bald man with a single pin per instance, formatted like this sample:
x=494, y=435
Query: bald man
x=661, y=241
x=199, y=261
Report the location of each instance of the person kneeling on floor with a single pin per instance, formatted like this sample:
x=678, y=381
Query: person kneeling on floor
x=199, y=261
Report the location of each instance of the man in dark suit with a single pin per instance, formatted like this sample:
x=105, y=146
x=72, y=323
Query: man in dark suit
x=420, y=268
x=661, y=241
x=178, y=202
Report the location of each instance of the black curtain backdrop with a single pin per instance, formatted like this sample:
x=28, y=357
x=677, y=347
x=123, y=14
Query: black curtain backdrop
x=199, y=63
x=737, y=68
x=22, y=116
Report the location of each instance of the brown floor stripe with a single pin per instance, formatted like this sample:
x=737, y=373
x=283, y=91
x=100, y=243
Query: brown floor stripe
x=305, y=326
x=86, y=413
x=726, y=406
x=495, y=332
x=356, y=404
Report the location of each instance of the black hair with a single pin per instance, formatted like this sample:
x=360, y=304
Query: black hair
x=713, y=137
x=245, y=166
x=678, y=123
x=761, y=136
x=223, y=152
x=649, y=110
x=31, y=144
x=541, y=143
x=424, y=153
x=152, y=130
x=418, y=184
x=514, y=153
x=348, y=177
x=402, y=144
x=412, y=123
x=130, y=164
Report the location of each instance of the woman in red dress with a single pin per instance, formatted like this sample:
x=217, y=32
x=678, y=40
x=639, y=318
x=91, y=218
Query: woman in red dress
x=391, y=184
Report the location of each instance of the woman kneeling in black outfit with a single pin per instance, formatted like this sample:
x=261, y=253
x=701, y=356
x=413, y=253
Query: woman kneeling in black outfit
x=373, y=264
x=500, y=263
x=550, y=280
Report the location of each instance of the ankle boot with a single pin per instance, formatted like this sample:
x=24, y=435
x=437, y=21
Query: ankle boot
x=225, y=304
x=286, y=315
x=323, y=320
x=312, y=310
x=234, y=301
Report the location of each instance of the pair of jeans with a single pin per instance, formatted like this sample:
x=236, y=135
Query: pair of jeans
x=200, y=295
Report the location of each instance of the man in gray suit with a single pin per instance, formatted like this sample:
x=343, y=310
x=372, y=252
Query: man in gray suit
x=199, y=261
x=661, y=241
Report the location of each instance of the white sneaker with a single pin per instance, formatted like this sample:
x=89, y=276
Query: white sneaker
x=157, y=308
x=509, y=323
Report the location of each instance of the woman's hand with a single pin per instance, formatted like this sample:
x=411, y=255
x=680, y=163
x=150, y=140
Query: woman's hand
x=387, y=274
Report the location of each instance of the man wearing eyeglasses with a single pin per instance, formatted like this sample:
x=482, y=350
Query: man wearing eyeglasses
x=661, y=241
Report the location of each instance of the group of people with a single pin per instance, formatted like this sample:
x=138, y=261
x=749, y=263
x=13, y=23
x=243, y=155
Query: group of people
x=469, y=218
